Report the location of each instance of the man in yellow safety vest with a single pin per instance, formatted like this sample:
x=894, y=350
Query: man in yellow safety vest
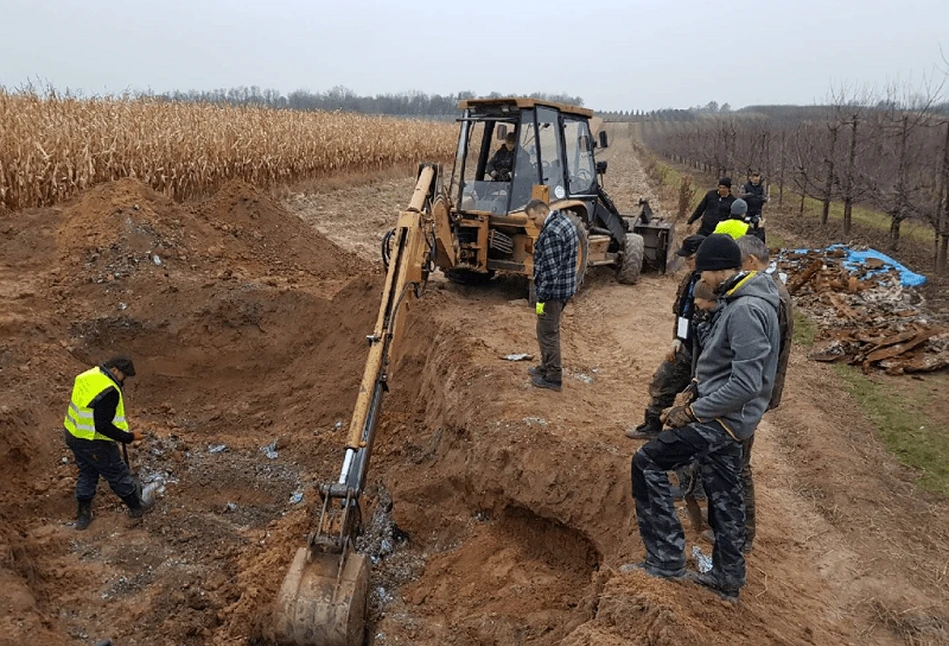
x=95, y=421
x=735, y=224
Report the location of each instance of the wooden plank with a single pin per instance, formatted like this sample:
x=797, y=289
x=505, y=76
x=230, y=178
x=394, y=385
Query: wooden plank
x=797, y=282
x=899, y=348
x=927, y=362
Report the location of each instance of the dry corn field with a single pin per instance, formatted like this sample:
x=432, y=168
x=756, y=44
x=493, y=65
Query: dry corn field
x=52, y=148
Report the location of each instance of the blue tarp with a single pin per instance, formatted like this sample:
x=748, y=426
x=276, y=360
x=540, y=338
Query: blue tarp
x=856, y=261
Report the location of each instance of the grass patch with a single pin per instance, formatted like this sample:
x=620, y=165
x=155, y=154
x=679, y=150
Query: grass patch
x=804, y=329
x=903, y=411
x=861, y=215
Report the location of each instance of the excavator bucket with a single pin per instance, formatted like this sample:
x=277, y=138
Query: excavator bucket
x=322, y=601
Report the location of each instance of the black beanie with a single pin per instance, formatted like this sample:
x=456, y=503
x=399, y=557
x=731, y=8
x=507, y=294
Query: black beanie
x=718, y=251
x=725, y=181
x=123, y=363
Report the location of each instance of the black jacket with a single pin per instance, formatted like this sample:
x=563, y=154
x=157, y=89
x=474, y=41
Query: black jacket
x=103, y=412
x=502, y=161
x=712, y=209
x=755, y=197
x=684, y=305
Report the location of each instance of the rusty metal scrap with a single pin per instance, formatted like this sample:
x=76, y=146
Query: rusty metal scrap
x=864, y=315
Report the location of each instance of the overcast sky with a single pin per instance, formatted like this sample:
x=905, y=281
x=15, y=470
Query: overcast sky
x=616, y=54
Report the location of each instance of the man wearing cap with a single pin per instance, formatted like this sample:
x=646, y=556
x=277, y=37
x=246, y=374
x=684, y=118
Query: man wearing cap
x=734, y=380
x=736, y=225
x=675, y=371
x=500, y=166
x=95, y=421
x=714, y=207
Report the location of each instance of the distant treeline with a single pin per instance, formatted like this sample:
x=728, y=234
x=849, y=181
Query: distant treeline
x=411, y=104
x=889, y=153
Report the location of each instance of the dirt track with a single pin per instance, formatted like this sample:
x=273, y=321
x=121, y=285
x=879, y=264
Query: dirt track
x=510, y=507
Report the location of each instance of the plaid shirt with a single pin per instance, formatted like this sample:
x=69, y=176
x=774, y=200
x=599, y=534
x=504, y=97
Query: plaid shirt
x=555, y=259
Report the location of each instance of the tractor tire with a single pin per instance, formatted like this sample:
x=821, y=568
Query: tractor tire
x=631, y=264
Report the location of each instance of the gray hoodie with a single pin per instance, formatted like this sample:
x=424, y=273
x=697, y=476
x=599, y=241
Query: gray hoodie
x=736, y=369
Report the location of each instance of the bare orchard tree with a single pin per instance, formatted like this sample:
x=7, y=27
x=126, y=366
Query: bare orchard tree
x=942, y=218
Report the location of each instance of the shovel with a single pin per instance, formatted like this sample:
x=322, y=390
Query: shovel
x=147, y=493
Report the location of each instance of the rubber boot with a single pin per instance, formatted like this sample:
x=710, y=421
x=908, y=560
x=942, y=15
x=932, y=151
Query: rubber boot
x=137, y=507
x=84, y=515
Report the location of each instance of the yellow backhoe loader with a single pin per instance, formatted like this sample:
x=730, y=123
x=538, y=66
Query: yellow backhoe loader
x=470, y=230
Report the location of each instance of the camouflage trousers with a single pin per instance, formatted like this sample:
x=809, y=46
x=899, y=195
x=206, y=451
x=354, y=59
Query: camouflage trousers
x=748, y=487
x=719, y=458
x=670, y=379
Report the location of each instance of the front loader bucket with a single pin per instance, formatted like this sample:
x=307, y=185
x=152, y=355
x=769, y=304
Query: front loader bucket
x=321, y=603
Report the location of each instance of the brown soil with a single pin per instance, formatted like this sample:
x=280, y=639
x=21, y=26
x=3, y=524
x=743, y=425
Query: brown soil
x=498, y=513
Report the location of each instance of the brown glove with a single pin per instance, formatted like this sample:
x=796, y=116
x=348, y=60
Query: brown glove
x=689, y=395
x=677, y=416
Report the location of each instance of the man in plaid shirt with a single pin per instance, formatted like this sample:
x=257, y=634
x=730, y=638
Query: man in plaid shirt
x=555, y=282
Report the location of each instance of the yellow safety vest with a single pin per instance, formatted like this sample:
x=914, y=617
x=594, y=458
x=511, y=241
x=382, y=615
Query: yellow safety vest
x=79, y=417
x=734, y=228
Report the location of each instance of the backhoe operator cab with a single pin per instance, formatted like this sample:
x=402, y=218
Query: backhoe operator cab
x=512, y=150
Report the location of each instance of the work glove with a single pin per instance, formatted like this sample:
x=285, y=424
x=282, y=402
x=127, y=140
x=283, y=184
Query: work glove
x=677, y=416
x=539, y=308
x=677, y=346
x=688, y=395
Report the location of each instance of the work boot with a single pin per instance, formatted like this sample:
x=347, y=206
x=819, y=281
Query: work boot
x=137, y=506
x=537, y=371
x=84, y=515
x=542, y=382
x=659, y=573
x=711, y=582
x=648, y=430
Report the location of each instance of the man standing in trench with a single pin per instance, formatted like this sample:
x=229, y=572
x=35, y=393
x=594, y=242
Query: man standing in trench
x=94, y=422
x=734, y=379
x=555, y=282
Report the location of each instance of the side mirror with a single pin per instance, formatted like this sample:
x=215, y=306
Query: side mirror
x=604, y=142
x=601, y=168
x=502, y=131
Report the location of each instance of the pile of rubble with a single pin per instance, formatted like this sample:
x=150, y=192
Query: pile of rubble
x=866, y=311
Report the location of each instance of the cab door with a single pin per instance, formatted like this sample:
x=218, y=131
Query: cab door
x=550, y=140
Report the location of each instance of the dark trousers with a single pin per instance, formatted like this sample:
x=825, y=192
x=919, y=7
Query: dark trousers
x=720, y=461
x=748, y=485
x=99, y=458
x=548, y=338
x=670, y=379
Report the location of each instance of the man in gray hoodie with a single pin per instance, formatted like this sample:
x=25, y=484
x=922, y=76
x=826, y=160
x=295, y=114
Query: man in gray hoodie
x=735, y=376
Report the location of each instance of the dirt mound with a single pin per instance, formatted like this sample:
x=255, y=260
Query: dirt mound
x=247, y=328
x=117, y=230
x=256, y=226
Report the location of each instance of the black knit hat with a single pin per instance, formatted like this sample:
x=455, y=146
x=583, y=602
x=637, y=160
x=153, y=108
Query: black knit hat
x=690, y=245
x=725, y=181
x=123, y=363
x=718, y=251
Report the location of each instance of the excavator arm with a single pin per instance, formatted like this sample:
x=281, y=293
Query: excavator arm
x=322, y=601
